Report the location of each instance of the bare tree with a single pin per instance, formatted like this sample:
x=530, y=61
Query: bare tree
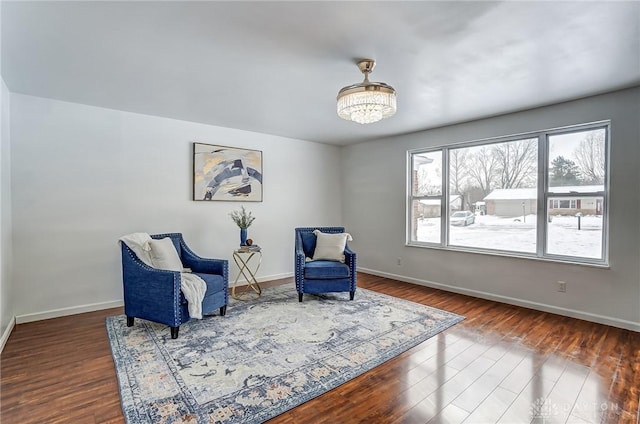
x=589, y=156
x=458, y=176
x=482, y=167
x=457, y=170
x=429, y=181
x=516, y=163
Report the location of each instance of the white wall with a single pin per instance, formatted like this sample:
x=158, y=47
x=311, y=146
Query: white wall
x=6, y=304
x=374, y=205
x=84, y=176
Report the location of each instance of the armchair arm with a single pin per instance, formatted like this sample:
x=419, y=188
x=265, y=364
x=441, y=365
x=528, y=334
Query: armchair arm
x=206, y=265
x=350, y=260
x=349, y=256
x=300, y=253
x=300, y=259
x=150, y=293
x=203, y=265
x=299, y=263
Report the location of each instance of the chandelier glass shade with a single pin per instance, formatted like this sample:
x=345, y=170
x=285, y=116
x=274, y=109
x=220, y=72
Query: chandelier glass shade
x=366, y=102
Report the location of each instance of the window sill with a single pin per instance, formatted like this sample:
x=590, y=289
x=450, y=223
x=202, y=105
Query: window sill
x=504, y=254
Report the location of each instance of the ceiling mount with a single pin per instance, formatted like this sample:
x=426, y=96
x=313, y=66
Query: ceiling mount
x=366, y=102
x=366, y=66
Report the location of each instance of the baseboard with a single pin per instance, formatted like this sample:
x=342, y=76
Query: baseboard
x=600, y=319
x=73, y=310
x=7, y=333
x=263, y=278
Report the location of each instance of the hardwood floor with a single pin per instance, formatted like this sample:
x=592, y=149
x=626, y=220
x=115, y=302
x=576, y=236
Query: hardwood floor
x=498, y=366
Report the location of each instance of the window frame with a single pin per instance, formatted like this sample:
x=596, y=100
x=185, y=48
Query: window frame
x=559, y=206
x=439, y=197
x=542, y=201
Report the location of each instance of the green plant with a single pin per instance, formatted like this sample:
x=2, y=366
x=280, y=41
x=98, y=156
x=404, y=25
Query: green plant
x=242, y=218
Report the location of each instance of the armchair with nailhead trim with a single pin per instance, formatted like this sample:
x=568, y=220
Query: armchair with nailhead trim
x=322, y=276
x=154, y=294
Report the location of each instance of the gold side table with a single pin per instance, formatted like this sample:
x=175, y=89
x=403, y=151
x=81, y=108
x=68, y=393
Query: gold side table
x=248, y=270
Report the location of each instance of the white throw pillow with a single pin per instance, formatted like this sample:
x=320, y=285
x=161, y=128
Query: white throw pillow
x=330, y=247
x=164, y=255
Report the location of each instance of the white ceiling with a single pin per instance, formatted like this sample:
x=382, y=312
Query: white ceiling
x=276, y=67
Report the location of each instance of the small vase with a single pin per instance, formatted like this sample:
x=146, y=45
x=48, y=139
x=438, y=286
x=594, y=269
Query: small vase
x=243, y=236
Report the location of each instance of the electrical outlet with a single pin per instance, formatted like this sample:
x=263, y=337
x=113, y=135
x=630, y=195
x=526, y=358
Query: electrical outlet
x=562, y=286
x=399, y=261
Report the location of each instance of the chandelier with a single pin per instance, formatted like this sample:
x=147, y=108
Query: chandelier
x=366, y=102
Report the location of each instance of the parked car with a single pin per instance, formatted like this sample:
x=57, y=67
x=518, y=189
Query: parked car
x=462, y=218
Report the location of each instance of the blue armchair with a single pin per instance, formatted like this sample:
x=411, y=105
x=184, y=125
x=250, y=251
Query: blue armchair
x=155, y=295
x=322, y=276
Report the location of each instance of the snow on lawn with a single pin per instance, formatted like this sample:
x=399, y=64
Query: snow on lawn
x=564, y=238
x=519, y=235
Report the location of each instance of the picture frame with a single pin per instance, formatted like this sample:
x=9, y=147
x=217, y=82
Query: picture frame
x=226, y=173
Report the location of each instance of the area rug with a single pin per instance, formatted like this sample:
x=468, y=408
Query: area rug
x=264, y=357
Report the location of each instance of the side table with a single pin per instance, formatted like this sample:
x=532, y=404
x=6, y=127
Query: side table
x=247, y=269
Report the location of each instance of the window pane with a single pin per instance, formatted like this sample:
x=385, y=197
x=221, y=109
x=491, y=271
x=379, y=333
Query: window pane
x=426, y=222
x=493, y=194
x=515, y=234
x=577, y=162
x=427, y=174
x=576, y=231
x=576, y=165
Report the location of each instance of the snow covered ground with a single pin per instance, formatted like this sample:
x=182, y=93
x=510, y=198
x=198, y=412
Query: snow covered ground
x=519, y=235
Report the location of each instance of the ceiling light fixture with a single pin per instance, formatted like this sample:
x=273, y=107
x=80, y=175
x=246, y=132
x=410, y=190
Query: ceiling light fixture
x=366, y=102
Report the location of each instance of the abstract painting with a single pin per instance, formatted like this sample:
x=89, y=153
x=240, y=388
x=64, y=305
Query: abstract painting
x=226, y=173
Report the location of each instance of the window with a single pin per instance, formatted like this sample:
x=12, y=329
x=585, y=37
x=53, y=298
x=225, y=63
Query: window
x=540, y=195
x=577, y=173
x=564, y=204
x=427, y=196
x=475, y=173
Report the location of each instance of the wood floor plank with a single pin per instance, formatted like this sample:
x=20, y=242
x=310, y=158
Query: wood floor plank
x=474, y=395
x=489, y=368
x=492, y=407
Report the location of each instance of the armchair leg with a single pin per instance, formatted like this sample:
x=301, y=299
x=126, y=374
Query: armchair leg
x=299, y=297
x=351, y=295
x=129, y=321
x=223, y=310
x=174, y=332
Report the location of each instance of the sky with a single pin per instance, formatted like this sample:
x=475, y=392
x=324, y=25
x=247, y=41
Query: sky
x=565, y=144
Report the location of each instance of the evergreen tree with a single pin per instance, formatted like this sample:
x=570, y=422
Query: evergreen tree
x=563, y=172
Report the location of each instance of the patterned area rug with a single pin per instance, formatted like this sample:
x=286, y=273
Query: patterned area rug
x=264, y=357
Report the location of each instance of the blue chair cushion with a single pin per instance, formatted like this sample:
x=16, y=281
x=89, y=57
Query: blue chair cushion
x=215, y=282
x=325, y=269
x=308, y=244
